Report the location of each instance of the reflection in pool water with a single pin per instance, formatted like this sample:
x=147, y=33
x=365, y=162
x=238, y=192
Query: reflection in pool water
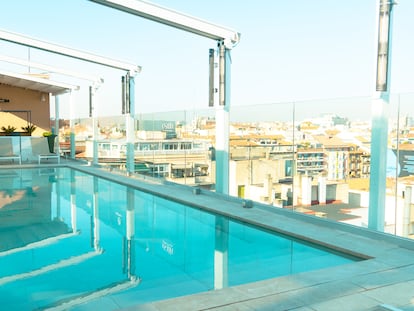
x=68, y=238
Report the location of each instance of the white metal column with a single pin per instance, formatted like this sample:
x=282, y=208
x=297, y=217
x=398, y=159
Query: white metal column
x=93, y=115
x=130, y=124
x=379, y=130
x=72, y=137
x=57, y=117
x=223, y=122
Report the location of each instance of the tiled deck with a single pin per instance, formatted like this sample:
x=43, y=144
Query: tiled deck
x=385, y=281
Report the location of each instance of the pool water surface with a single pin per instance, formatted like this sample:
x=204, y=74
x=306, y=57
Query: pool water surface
x=68, y=239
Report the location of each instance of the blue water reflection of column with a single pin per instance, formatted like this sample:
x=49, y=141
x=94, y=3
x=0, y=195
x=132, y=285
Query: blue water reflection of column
x=379, y=130
x=221, y=261
x=54, y=180
x=129, y=244
x=73, y=200
x=95, y=236
x=55, y=193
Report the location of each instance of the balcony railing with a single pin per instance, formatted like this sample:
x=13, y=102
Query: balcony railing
x=280, y=166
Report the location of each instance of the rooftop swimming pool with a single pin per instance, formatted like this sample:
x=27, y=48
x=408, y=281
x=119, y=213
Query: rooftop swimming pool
x=69, y=240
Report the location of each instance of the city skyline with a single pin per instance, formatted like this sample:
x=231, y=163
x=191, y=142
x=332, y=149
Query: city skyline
x=289, y=51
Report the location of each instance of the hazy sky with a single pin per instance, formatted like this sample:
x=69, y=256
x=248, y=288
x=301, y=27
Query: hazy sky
x=289, y=50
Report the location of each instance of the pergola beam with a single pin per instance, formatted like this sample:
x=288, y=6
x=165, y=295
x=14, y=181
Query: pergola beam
x=175, y=19
x=53, y=69
x=61, y=50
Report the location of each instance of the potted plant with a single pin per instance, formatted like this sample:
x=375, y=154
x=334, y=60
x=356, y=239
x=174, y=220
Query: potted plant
x=9, y=130
x=29, y=129
x=51, y=140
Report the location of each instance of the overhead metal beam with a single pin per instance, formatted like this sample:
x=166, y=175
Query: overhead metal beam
x=61, y=50
x=175, y=19
x=35, y=83
x=53, y=69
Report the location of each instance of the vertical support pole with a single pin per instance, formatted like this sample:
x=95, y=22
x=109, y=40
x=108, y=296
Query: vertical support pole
x=72, y=127
x=379, y=130
x=92, y=113
x=211, y=78
x=124, y=94
x=377, y=183
x=56, y=144
x=57, y=105
x=57, y=117
x=222, y=122
x=130, y=125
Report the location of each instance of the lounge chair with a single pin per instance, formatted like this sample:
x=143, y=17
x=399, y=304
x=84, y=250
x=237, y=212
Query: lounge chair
x=40, y=149
x=6, y=150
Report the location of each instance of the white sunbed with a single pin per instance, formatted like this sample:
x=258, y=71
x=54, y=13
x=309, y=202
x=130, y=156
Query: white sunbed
x=40, y=148
x=6, y=150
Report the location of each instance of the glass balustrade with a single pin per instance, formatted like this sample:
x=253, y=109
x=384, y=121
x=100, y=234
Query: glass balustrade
x=307, y=156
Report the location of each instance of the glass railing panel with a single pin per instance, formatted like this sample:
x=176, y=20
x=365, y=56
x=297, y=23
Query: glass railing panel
x=333, y=145
x=291, y=151
x=262, y=144
x=399, y=212
x=80, y=133
x=174, y=146
x=307, y=156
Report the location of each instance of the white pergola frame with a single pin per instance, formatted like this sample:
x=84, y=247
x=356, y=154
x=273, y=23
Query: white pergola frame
x=48, y=68
x=131, y=69
x=175, y=19
x=65, y=51
x=226, y=39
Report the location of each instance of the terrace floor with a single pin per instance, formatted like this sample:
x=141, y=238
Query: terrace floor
x=384, y=281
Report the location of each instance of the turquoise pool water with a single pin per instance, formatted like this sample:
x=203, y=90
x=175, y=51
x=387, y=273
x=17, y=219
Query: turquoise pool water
x=69, y=240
